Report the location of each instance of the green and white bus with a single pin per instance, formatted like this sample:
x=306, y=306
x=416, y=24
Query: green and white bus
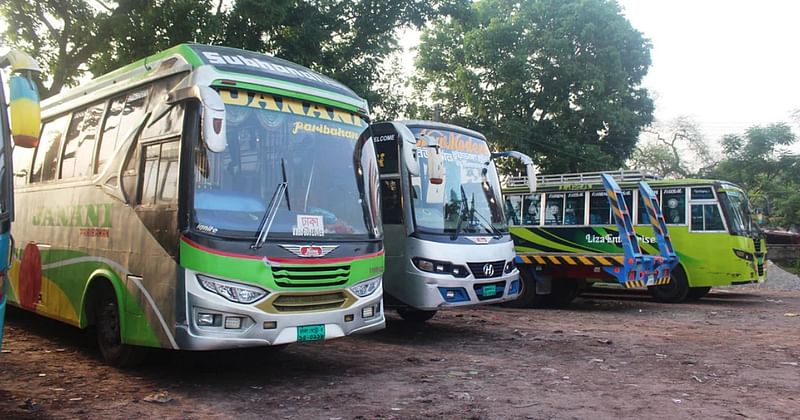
x=566, y=230
x=201, y=198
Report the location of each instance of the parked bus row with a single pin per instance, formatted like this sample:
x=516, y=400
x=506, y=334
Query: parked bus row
x=207, y=198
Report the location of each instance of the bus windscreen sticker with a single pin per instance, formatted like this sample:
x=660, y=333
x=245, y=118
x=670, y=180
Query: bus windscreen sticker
x=309, y=225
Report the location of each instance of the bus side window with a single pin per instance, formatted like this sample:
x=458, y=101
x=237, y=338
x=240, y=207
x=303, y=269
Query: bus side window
x=673, y=205
x=160, y=175
x=703, y=193
x=23, y=157
x=45, y=163
x=706, y=217
x=574, y=209
x=391, y=202
x=627, y=195
x=599, y=209
x=644, y=218
x=172, y=122
x=76, y=160
x=530, y=209
x=554, y=209
x=513, y=206
x=123, y=112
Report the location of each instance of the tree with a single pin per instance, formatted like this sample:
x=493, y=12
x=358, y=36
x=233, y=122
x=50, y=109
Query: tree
x=345, y=40
x=556, y=79
x=677, y=149
x=759, y=161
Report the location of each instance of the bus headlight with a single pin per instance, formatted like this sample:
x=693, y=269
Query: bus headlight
x=440, y=267
x=743, y=254
x=510, y=266
x=234, y=292
x=367, y=287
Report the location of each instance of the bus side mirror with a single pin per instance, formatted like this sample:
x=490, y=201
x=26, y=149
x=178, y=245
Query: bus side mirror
x=531, y=172
x=408, y=148
x=213, y=117
x=759, y=217
x=435, y=165
x=23, y=107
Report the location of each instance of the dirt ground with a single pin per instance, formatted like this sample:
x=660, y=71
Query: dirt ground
x=735, y=354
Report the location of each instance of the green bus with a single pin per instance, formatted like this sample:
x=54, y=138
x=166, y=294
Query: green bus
x=709, y=221
x=201, y=198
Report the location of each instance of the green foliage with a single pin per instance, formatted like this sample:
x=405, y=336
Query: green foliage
x=556, y=79
x=676, y=149
x=347, y=40
x=759, y=162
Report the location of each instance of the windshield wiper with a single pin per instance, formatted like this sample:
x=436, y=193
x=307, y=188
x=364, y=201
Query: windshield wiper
x=462, y=214
x=495, y=231
x=281, y=190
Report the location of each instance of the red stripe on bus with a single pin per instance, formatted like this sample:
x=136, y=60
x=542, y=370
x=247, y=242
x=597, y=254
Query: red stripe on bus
x=280, y=260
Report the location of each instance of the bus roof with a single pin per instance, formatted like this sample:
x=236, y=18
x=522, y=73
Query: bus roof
x=443, y=126
x=660, y=183
x=226, y=63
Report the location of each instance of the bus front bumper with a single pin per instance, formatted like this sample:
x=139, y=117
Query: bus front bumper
x=433, y=292
x=260, y=328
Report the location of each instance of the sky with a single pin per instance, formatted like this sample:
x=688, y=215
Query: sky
x=727, y=64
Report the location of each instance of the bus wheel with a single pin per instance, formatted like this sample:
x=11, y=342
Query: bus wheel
x=107, y=323
x=675, y=291
x=415, y=315
x=697, y=292
x=527, y=296
x=564, y=292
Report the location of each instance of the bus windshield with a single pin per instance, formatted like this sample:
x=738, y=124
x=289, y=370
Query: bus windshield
x=299, y=154
x=739, y=210
x=468, y=202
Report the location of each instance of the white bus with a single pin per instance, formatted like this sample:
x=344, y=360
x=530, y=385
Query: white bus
x=446, y=237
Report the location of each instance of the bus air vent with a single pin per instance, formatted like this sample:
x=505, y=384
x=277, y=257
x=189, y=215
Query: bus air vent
x=311, y=275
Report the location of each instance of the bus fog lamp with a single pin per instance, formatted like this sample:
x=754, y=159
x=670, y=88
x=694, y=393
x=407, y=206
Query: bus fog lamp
x=206, y=320
x=368, y=312
x=233, y=322
x=270, y=325
x=349, y=318
x=234, y=292
x=366, y=288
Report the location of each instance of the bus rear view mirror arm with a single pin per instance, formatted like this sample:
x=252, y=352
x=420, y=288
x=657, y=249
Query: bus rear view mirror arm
x=213, y=116
x=530, y=168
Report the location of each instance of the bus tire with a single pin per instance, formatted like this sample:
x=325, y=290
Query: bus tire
x=675, y=291
x=696, y=293
x=564, y=291
x=415, y=315
x=109, y=339
x=527, y=297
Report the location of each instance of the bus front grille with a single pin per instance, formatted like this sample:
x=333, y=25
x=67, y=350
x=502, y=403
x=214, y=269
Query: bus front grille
x=306, y=303
x=481, y=270
x=311, y=276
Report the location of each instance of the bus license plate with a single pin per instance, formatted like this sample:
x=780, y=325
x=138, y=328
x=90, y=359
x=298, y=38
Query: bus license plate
x=489, y=290
x=310, y=332
x=651, y=280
